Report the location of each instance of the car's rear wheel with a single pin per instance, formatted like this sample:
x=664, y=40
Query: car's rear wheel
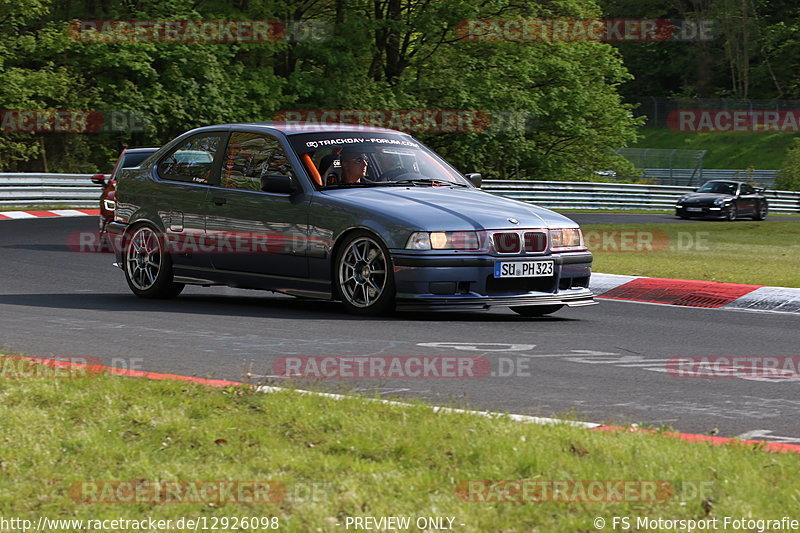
x=364, y=275
x=730, y=213
x=148, y=268
x=761, y=212
x=536, y=310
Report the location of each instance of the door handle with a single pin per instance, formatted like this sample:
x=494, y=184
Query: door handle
x=218, y=200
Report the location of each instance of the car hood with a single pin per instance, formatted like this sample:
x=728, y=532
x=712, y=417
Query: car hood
x=702, y=197
x=450, y=209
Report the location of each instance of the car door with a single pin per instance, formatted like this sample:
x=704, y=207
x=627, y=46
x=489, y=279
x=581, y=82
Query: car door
x=257, y=232
x=185, y=173
x=747, y=199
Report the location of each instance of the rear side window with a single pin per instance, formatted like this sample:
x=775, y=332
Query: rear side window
x=192, y=160
x=135, y=159
x=251, y=156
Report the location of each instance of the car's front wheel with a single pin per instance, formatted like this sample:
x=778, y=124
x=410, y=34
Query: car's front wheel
x=148, y=268
x=536, y=310
x=730, y=212
x=364, y=275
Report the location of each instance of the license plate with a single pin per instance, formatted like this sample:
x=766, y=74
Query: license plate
x=694, y=209
x=523, y=269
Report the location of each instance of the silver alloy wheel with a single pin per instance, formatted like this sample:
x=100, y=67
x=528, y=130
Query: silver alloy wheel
x=143, y=258
x=730, y=213
x=763, y=210
x=362, y=272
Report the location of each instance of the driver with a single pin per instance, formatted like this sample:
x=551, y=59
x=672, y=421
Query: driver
x=354, y=166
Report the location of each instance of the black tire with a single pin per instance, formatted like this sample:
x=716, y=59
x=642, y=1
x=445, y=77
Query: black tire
x=730, y=213
x=684, y=216
x=536, y=310
x=761, y=211
x=148, y=269
x=363, y=275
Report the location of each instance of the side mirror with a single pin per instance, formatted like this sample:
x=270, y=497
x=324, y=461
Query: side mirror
x=99, y=179
x=475, y=178
x=277, y=183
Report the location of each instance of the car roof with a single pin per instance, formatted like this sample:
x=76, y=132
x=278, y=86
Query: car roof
x=725, y=181
x=140, y=150
x=295, y=128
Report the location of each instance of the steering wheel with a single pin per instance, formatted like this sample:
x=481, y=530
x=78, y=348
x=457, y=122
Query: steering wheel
x=397, y=173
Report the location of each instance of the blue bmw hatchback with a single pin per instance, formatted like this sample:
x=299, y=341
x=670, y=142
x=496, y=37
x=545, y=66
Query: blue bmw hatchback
x=366, y=216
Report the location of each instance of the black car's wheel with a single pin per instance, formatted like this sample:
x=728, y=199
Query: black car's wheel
x=730, y=212
x=364, y=275
x=148, y=268
x=536, y=310
x=682, y=215
x=761, y=212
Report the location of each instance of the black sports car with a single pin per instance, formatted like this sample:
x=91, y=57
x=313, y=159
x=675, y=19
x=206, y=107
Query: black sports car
x=723, y=199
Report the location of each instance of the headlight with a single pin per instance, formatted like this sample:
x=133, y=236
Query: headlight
x=719, y=201
x=564, y=239
x=443, y=240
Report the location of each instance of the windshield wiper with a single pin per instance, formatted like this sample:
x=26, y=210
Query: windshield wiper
x=429, y=181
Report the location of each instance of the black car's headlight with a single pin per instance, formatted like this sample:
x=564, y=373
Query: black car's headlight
x=444, y=240
x=719, y=201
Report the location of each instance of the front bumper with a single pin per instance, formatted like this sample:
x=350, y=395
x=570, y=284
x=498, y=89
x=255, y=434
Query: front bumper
x=463, y=281
x=704, y=211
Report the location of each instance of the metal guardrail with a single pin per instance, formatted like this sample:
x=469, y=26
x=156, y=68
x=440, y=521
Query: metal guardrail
x=77, y=190
x=590, y=195
x=696, y=177
x=73, y=190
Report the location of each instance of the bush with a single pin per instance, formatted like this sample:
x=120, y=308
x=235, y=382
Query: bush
x=789, y=175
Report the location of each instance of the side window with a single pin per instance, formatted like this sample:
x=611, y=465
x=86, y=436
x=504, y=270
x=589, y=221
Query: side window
x=747, y=189
x=192, y=160
x=251, y=156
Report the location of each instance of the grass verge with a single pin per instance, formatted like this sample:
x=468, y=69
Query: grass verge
x=360, y=459
x=734, y=150
x=760, y=253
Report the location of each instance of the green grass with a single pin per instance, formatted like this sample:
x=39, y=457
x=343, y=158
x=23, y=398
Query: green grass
x=735, y=150
x=362, y=458
x=760, y=253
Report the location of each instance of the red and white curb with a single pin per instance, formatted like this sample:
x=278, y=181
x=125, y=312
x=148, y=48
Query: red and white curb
x=694, y=293
x=773, y=447
x=54, y=213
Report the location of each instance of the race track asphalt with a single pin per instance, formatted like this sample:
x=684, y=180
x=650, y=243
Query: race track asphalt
x=605, y=363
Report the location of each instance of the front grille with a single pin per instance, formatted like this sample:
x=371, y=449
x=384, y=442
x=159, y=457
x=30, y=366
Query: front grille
x=518, y=285
x=506, y=243
x=535, y=241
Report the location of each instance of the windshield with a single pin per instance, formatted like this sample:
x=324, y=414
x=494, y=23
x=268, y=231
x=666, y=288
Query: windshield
x=360, y=159
x=719, y=187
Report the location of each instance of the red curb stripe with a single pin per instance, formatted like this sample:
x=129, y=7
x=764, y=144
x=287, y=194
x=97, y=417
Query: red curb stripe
x=772, y=447
x=684, y=292
x=89, y=211
x=42, y=214
x=3, y=217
